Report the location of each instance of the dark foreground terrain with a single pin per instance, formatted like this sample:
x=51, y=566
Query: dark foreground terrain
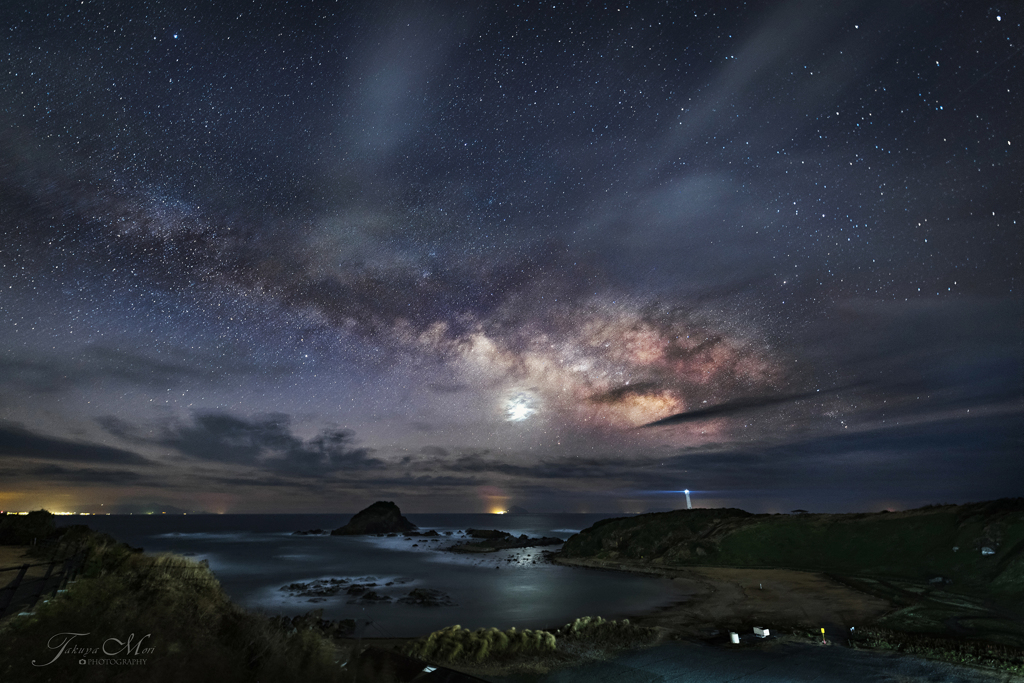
x=949, y=574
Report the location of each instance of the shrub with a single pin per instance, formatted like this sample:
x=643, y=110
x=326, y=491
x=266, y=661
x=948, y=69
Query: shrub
x=26, y=529
x=597, y=631
x=960, y=651
x=196, y=633
x=455, y=644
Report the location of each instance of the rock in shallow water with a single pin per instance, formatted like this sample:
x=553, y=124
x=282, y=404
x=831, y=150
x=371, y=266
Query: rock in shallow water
x=428, y=597
x=382, y=517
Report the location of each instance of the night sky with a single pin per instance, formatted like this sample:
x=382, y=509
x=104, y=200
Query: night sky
x=302, y=256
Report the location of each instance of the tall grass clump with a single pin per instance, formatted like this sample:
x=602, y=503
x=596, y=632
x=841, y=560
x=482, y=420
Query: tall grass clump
x=586, y=636
x=454, y=644
x=189, y=629
x=598, y=632
x=958, y=651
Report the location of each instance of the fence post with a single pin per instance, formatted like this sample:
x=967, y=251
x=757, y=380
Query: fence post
x=71, y=568
x=42, y=587
x=12, y=588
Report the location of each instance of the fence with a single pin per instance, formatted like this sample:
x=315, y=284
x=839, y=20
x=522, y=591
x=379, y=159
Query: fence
x=23, y=592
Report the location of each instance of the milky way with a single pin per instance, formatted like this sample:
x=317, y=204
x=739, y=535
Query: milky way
x=258, y=258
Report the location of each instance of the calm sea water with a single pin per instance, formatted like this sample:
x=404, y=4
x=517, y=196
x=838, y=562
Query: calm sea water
x=253, y=556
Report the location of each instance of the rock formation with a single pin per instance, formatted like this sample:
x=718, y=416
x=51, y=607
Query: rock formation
x=382, y=517
x=494, y=539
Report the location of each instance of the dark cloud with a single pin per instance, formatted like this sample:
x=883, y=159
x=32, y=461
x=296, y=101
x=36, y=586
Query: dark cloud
x=87, y=475
x=883, y=461
x=31, y=371
x=960, y=456
x=266, y=442
x=925, y=356
x=421, y=484
x=741, y=405
x=16, y=442
x=577, y=468
x=271, y=482
x=118, y=427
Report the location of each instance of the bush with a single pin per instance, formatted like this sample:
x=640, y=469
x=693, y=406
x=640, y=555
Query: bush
x=26, y=529
x=959, y=651
x=455, y=644
x=597, y=631
x=177, y=608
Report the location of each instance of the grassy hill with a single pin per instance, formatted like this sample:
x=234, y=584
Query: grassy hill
x=917, y=545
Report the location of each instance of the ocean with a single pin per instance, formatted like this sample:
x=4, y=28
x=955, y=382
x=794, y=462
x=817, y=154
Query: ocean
x=255, y=556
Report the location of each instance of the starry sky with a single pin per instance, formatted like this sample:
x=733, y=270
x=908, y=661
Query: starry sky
x=301, y=256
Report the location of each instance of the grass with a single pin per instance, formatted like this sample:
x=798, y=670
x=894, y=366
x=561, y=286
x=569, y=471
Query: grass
x=584, y=638
x=957, y=651
x=455, y=644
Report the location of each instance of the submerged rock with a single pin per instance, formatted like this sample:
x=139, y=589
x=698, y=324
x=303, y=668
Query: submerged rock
x=383, y=517
x=428, y=597
x=320, y=588
x=314, y=621
x=494, y=539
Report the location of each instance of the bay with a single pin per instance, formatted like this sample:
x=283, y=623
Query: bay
x=254, y=556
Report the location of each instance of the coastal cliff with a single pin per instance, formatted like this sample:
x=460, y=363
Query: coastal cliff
x=978, y=544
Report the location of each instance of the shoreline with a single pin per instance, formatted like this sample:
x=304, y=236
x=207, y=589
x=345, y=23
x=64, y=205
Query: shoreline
x=731, y=598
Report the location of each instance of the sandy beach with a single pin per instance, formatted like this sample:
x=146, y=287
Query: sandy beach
x=720, y=597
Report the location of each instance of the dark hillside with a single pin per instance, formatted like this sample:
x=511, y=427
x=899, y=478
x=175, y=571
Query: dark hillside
x=979, y=545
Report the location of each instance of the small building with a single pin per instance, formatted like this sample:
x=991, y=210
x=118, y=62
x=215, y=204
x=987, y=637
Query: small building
x=761, y=632
x=987, y=551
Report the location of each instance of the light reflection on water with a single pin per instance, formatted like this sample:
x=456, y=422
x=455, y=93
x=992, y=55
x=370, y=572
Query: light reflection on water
x=502, y=589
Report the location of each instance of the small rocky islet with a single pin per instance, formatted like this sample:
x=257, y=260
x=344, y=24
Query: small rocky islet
x=383, y=517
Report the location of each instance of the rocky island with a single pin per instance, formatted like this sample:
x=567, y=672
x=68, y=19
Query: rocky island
x=383, y=517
